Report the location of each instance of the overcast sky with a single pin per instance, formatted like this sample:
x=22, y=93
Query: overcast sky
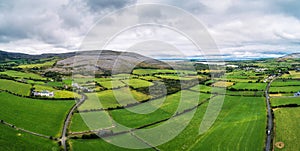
x=240, y=28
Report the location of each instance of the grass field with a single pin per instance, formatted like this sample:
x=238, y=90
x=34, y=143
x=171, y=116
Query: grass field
x=284, y=82
x=151, y=71
x=137, y=83
x=285, y=89
x=287, y=121
x=291, y=75
x=96, y=144
x=15, y=87
x=158, y=109
x=276, y=101
x=111, y=84
x=250, y=86
x=88, y=121
x=108, y=99
x=45, y=117
x=12, y=139
x=39, y=65
x=26, y=75
x=240, y=126
x=57, y=93
x=222, y=84
x=174, y=77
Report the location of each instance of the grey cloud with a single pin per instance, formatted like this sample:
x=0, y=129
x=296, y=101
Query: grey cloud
x=99, y=5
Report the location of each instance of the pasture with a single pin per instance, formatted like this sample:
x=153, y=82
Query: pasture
x=285, y=89
x=112, y=84
x=287, y=121
x=285, y=82
x=15, y=87
x=112, y=98
x=250, y=86
x=45, y=117
x=12, y=139
x=38, y=65
x=291, y=75
x=158, y=109
x=222, y=84
x=239, y=126
x=137, y=83
x=27, y=75
x=90, y=121
x=277, y=101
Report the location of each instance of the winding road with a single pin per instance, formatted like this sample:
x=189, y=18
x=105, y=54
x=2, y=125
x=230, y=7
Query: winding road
x=67, y=122
x=270, y=118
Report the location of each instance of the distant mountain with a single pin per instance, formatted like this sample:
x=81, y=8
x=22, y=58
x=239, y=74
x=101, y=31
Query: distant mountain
x=289, y=56
x=12, y=55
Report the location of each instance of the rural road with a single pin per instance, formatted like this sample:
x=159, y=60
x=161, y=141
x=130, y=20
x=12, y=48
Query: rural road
x=67, y=122
x=270, y=118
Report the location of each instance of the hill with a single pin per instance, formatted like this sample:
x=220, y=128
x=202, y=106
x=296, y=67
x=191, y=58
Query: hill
x=106, y=62
x=289, y=56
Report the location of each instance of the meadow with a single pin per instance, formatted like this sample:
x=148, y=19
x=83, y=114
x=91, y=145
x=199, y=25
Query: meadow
x=27, y=75
x=41, y=116
x=90, y=121
x=277, y=101
x=12, y=139
x=240, y=126
x=250, y=86
x=112, y=99
x=15, y=87
x=287, y=121
x=137, y=83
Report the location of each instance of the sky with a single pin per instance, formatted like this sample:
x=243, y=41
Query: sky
x=239, y=28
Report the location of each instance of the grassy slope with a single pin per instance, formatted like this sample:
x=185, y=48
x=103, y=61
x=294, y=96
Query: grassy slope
x=13, y=73
x=45, y=117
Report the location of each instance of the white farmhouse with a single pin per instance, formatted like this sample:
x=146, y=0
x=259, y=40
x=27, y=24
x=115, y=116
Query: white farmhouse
x=297, y=94
x=43, y=93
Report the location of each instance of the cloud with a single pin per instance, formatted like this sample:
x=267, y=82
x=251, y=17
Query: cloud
x=238, y=27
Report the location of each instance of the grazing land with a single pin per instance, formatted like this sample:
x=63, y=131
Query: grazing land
x=40, y=116
x=15, y=87
x=121, y=107
x=287, y=121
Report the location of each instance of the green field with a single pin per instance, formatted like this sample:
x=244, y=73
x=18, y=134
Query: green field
x=19, y=74
x=276, y=101
x=45, y=117
x=240, y=126
x=284, y=82
x=15, y=87
x=39, y=65
x=90, y=121
x=96, y=144
x=162, y=109
x=287, y=121
x=12, y=139
x=291, y=75
x=285, y=89
x=108, y=99
x=250, y=86
x=152, y=71
x=137, y=83
x=111, y=84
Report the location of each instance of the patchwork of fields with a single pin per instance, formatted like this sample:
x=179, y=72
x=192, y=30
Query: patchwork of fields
x=121, y=108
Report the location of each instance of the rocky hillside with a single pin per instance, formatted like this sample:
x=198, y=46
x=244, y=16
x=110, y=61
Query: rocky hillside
x=106, y=62
x=289, y=56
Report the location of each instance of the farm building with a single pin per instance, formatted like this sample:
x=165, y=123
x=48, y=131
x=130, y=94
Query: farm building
x=43, y=93
x=297, y=94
